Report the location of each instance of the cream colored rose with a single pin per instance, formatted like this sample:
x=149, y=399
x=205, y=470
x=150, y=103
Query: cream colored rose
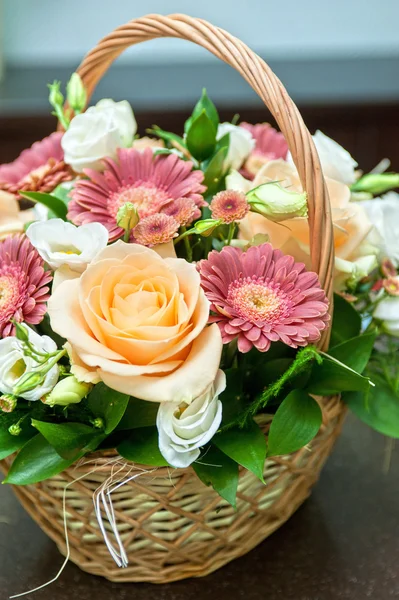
x=138, y=322
x=12, y=220
x=355, y=255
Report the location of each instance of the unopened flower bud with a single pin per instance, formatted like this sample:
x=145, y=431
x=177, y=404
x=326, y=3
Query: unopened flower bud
x=277, y=203
x=67, y=391
x=28, y=382
x=7, y=403
x=21, y=332
x=127, y=216
x=98, y=423
x=56, y=98
x=207, y=226
x=14, y=429
x=76, y=93
x=376, y=183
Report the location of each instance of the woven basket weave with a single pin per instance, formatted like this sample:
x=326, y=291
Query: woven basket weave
x=170, y=524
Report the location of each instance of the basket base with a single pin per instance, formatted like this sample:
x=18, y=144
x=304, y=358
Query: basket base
x=171, y=526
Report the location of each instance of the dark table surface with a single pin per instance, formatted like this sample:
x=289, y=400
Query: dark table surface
x=343, y=543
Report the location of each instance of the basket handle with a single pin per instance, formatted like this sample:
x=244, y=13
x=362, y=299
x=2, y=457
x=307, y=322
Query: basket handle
x=268, y=87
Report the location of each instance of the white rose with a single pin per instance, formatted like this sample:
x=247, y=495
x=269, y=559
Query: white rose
x=14, y=364
x=336, y=162
x=98, y=133
x=240, y=147
x=185, y=427
x=384, y=214
x=63, y=244
x=387, y=312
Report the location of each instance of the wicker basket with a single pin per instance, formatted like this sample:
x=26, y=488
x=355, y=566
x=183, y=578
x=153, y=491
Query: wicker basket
x=170, y=524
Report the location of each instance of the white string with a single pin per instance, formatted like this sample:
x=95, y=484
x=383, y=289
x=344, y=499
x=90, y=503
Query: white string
x=68, y=552
x=102, y=498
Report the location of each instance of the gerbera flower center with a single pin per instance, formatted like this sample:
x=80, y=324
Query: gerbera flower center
x=147, y=197
x=9, y=291
x=258, y=299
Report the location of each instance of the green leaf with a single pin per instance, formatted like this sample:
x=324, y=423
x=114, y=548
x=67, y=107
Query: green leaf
x=232, y=397
x=246, y=446
x=295, y=424
x=346, y=321
x=70, y=440
x=142, y=447
x=379, y=408
x=11, y=443
x=201, y=137
x=139, y=413
x=107, y=404
x=167, y=136
x=356, y=352
x=333, y=377
x=57, y=206
x=36, y=461
x=206, y=104
x=214, y=172
x=62, y=193
x=221, y=472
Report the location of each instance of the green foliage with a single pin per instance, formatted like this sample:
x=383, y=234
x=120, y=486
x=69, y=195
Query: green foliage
x=139, y=413
x=11, y=443
x=70, y=440
x=214, y=172
x=57, y=206
x=107, y=404
x=245, y=446
x=167, y=136
x=341, y=368
x=201, y=137
x=36, y=461
x=206, y=104
x=295, y=424
x=379, y=408
x=216, y=469
x=346, y=321
x=302, y=362
x=142, y=447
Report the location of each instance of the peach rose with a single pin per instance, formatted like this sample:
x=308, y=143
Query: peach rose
x=355, y=256
x=12, y=219
x=138, y=322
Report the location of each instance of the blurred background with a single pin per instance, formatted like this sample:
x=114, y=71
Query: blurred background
x=338, y=60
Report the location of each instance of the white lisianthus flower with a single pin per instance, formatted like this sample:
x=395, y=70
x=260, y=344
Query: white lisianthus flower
x=14, y=364
x=384, y=214
x=98, y=133
x=336, y=162
x=63, y=244
x=387, y=311
x=185, y=427
x=240, y=147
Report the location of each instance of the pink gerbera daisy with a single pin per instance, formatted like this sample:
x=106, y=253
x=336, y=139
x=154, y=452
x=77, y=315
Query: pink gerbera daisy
x=155, y=229
x=23, y=284
x=261, y=296
x=229, y=206
x=147, y=181
x=39, y=168
x=270, y=145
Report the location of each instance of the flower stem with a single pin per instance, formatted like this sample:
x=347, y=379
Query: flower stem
x=126, y=236
x=232, y=227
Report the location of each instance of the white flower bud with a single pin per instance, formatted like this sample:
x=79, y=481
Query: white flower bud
x=277, y=203
x=67, y=391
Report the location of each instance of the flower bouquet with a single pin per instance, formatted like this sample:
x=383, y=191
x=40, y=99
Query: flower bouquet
x=167, y=347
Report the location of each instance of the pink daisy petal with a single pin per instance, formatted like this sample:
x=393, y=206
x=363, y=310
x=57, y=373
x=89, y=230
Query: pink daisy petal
x=39, y=168
x=150, y=182
x=24, y=283
x=263, y=296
